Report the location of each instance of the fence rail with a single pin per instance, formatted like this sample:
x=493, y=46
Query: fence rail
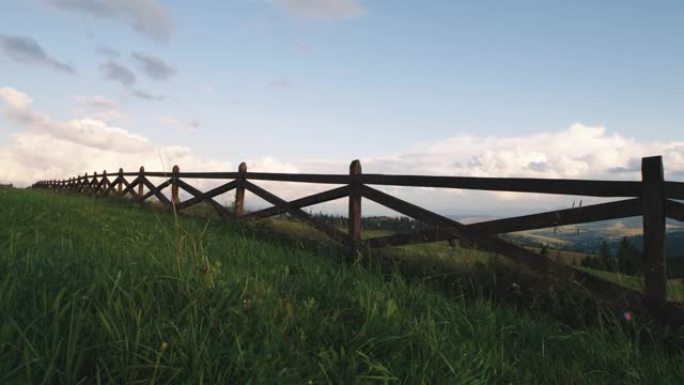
x=652, y=197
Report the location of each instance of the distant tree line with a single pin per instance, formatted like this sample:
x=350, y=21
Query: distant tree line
x=626, y=260
x=393, y=224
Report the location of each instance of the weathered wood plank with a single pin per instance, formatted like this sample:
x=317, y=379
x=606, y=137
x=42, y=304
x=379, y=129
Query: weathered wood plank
x=104, y=185
x=192, y=175
x=354, y=221
x=101, y=185
x=321, y=197
x=82, y=184
x=240, y=191
x=156, y=191
x=175, y=199
x=94, y=183
x=596, y=188
x=113, y=185
x=141, y=185
x=653, y=200
x=591, y=213
x=209, y=194
x=674, y=190
x=674, y=210
x=129, y=189
x=301, y=178
x=120, y=178
x=599, y=188
x=160, y=187
x=222, y=212
x=414, y=211
x=497, y=245
x=277, y=201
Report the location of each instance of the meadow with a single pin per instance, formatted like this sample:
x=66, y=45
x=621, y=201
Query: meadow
x=100, y=291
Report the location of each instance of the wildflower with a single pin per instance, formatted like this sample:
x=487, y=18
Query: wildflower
x=627, y=316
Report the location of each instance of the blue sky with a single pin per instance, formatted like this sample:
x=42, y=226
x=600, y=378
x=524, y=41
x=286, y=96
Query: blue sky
x=308, y=85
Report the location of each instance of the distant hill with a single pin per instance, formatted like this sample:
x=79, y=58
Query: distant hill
x=588, y=237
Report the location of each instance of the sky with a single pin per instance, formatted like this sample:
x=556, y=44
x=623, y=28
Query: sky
x=579, y=89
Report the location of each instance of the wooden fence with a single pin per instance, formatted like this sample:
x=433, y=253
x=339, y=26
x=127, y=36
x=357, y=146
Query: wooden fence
x=652, y=197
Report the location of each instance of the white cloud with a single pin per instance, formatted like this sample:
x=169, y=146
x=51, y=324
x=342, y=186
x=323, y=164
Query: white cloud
x=99, y=102
x=99, y=107
x=86, y=131
x=47, y=148
x=323, y=9
x=579, y=151
x=16, y=99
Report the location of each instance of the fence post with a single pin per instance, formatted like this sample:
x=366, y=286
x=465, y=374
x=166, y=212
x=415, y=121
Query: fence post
x=354, y=222
x=174, y=186
x=119, y=187
x=240, y=191
x=141, y=175
x=85, y=181
x=105, y=188
x=93, y=184
x=654, y=263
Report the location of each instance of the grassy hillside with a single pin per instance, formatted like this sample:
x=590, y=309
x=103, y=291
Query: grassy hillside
x=100, y=291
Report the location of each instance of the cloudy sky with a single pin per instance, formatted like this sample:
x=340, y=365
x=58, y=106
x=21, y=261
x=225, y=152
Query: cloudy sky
x=578, y=89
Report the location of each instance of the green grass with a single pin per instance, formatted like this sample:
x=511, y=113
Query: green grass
x=675, y=290
x=99, y=291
